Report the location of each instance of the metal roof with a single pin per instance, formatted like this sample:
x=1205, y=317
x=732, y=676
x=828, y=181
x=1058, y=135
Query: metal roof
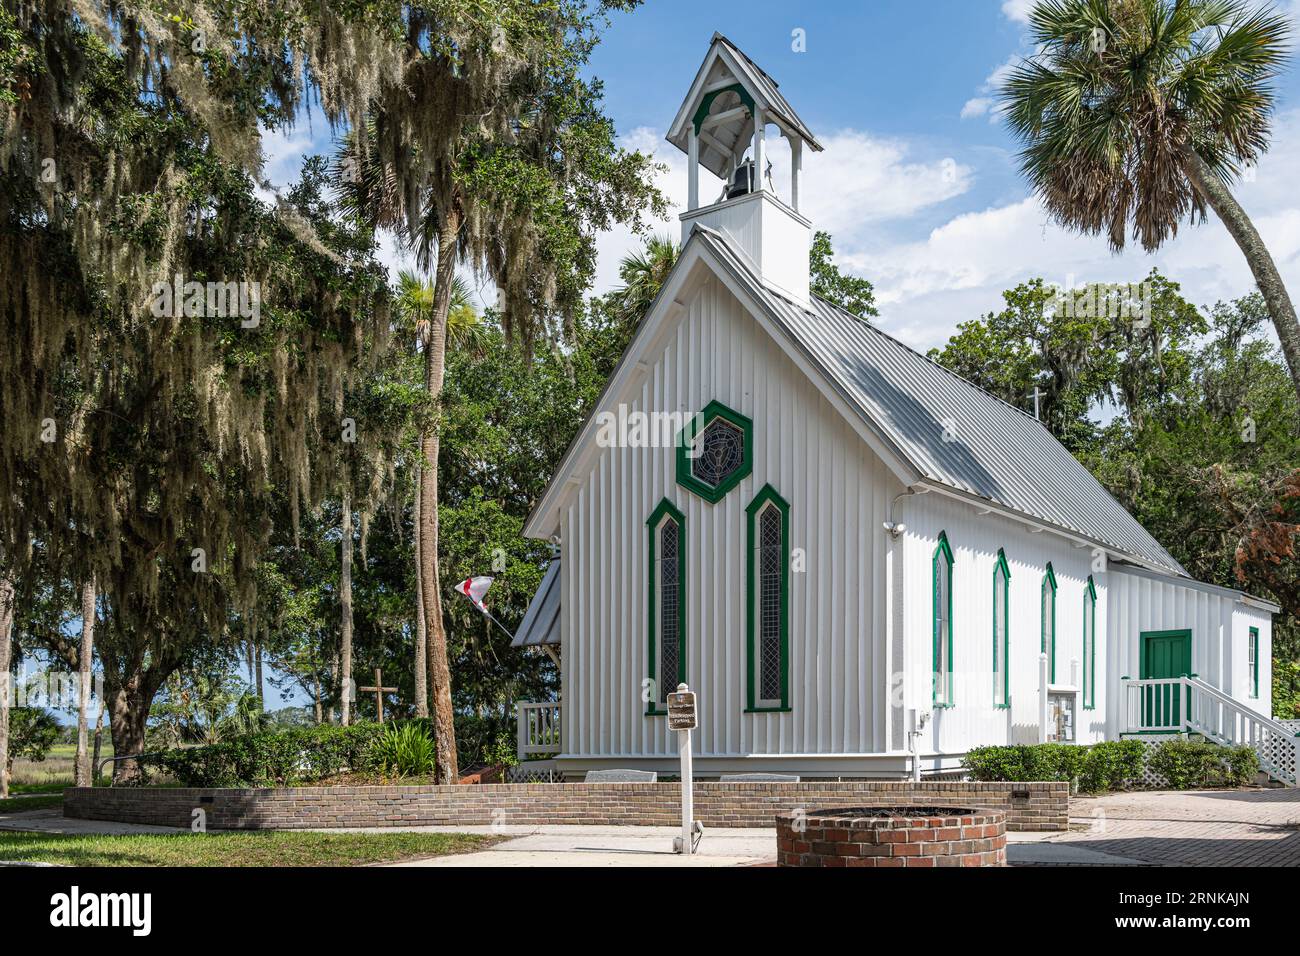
x=952, y=432
x=541, y=623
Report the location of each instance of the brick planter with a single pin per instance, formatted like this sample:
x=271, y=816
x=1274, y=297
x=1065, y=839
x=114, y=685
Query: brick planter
x=892, y=836
x=1024, y=806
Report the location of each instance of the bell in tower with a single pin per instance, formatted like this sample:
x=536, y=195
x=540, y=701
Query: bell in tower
x=722, y=126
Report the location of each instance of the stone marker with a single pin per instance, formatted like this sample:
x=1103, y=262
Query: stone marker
x=621, y=776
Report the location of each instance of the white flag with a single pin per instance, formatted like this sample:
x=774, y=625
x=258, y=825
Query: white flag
x=476, y=589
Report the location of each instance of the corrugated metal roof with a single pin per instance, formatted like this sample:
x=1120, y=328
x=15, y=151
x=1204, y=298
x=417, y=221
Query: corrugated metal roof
x=952, y=432
x=541, y=623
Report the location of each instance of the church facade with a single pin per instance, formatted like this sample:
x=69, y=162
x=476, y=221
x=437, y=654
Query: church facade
x=861, y=563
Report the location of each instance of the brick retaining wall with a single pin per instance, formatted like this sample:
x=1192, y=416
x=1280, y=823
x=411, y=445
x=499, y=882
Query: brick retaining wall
x=1028, y=806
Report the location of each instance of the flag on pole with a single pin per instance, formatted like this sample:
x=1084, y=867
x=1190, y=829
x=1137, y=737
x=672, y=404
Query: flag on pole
x=476, y=589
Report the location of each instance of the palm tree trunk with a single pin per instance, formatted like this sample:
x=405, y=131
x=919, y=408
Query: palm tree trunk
x=345, y=603
x=257, y=656
x=1262, y=267
x=421, y=643
x=6, y=646
x=82, y=772
x=434, y=369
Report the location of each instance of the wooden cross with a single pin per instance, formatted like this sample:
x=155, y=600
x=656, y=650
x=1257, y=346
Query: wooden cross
x=1036, y=395
x=379, y=690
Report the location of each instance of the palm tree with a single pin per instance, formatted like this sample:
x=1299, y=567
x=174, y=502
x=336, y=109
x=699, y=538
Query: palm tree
x=643, y=274
x=6, y=647
x=83, y=774
x=416, y=301
x=1144, y=112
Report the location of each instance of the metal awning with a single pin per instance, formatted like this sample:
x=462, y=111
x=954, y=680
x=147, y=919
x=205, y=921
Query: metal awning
x=541, y=624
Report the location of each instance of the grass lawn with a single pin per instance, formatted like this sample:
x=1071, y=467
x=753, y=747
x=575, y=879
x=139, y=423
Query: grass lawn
x=283, y=848
x=23, y=804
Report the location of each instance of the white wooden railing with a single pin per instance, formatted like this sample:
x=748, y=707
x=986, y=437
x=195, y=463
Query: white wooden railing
x=539, y=728
x=1175, y=705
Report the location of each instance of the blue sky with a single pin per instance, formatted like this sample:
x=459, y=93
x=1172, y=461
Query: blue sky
x=918, y=183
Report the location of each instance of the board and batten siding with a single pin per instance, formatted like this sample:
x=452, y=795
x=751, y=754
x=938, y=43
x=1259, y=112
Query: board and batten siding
x=1219, y=622
x=832, y=481
x=974, y=720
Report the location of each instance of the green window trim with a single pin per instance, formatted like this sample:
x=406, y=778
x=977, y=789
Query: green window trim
x=1001, y=566
x=941, y=551
x=665, y=509
x=1048, y=578
x=713, y=493
x=702, y=112
x=768, y=495
x=1252, y=661
x=1090, y=642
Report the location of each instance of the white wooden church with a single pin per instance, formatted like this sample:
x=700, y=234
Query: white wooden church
x=857, y=559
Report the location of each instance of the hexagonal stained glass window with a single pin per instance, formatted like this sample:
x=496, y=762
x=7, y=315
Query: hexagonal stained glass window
x=715, y=452
x=720, y=452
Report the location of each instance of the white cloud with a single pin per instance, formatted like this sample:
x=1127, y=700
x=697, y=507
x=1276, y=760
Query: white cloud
x=986, y=104
x=1017, y=10
x=960, y=269
x=856, y=183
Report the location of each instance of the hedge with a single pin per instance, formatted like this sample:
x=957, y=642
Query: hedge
x=1100, y=767
x=273, y=758
x=1115, y=764
x=1196, y=763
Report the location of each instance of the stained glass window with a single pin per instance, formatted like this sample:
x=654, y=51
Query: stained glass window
x=669, y=596
x=721, y=452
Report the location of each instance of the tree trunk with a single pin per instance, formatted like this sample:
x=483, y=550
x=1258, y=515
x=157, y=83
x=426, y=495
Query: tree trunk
x=421, y=644
x=345, y=605
x=257, y=656
x=320, y=719
x=434, y=368
x=1262, y=267
x=82, y=772
x=6, y=646
x=99, y=744
x=128, y=710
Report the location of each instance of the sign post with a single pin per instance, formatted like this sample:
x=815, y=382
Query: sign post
x=682, y=718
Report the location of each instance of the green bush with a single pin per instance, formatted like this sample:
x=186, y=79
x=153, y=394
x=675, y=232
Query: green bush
x=1189, y=764
x=402, y=750
x=273, y=758
x=32, y=732
x=1104, y=766
x=1111, y=765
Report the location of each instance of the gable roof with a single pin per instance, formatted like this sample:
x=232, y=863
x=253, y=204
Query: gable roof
x=739, y=131
x=952, y=432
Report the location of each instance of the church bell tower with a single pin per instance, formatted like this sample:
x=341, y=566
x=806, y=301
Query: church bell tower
x=722, y=126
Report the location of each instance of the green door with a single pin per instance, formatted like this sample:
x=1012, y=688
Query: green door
x=1164, y=654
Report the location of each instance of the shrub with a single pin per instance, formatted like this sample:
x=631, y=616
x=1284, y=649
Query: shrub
x=1111, y=765
x=1104, y=766
x=1188, y=764
x=32, y=732
x=272, y=758
x=404, y=750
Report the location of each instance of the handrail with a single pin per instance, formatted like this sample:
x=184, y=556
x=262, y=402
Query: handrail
x=1205, y=709
x=99, y=770
x=1223, y=698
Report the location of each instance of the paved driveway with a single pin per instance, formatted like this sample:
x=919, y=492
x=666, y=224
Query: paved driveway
x=1190, y=828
